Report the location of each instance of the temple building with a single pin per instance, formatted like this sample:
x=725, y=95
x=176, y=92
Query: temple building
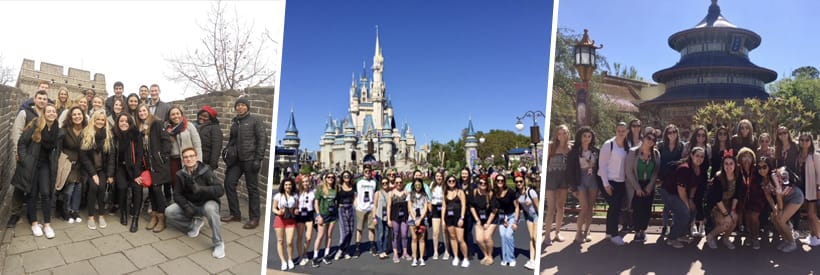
x=368, y=132
x=714, y=66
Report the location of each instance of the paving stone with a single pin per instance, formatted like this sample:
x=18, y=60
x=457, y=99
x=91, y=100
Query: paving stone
x=13, y=265
x=140, y=238
x=77, y=234
x=82, y=267
x=114, y=227
x=236, y=227
x=205, y=260
x=173, y=249
x=60, y=238
x=78, y=251
x=199, y=243
x=42, y=272
x=145, y=256
x=111, y=244
x=154, y=270
x=253, y=242
x=21, y=244
x=42, y=259
x=113, y=264
x=224, y=273
x=169, y=233
x=246, y=268
x=239, y=253
x=183, y=266
x=227, y=235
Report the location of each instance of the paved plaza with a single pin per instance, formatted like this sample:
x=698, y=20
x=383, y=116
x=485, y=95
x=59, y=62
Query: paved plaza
x=114, y=250
x=602, y=257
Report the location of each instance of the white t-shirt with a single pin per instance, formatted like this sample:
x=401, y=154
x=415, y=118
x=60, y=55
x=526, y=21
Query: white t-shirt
x=437, y=195
x=286, y=201
x=611, y=161
x=306, y=200
x=365, y=192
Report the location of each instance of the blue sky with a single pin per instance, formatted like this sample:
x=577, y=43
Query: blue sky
x=635, y=32
x=443, y=62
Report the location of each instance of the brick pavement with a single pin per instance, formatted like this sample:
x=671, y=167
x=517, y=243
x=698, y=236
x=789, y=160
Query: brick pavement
x=114, y=250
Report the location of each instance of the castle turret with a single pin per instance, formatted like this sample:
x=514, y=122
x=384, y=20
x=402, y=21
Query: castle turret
x=291, y=140
x=471, y=145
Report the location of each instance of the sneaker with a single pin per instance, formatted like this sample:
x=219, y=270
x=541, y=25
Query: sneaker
x=347, y=256
x=465, y=263
x=702, y=230
x=446, y=256
x=674, y=243
x=284, y=266
x=695, y=231
x=455, y=261
x=197, y=225
x=77, y=218
x=789, y=247
x=415, y=263
x=396, y=259
x=70, y=220
x=383, y=256
x=422, y=263
x=503, y=263
x=617, y=240
x=304, y=261
x=48, y=231
x=728, y=243
x=711, y=242
x=315, y=263
x=290, y=264
x=529, y=265
x=338, y=255
x=511, y=264
x=639, y=237
x=37, y=230
x=325, y=261
x=755, y=244
x=435, y=256
x=814, y=241
x=219, y=253
x=91, y=224
x=103, y=224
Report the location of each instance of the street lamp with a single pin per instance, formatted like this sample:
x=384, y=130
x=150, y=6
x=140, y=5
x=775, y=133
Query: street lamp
x=535, y=133
x=584, y=52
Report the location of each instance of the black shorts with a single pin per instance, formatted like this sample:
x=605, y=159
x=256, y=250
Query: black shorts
x=436, y=211
x=451, y=219
x=303, y=218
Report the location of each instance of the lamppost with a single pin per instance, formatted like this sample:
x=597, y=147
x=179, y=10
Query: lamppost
x=584, y=52
x=535, y=133
x=481, y=140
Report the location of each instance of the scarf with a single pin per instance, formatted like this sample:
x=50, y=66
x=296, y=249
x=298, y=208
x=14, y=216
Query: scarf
x=179, y=128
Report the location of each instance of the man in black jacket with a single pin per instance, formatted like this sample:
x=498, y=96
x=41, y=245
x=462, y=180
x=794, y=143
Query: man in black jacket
x=247, y=138
x=196, y=197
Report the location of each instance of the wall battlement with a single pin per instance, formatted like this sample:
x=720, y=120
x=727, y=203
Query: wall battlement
x=75, y=80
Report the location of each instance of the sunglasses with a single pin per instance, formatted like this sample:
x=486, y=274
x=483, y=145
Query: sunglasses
x=652, y=139
x=700, y=135
x=482, y=183
x=451, y=180
x=804, y=140
x=519, y=181
x=672, y=132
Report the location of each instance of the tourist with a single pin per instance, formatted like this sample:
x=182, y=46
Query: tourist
x=109, y=102
x=304, y=220
x=116, y=109
x=785, y=200
x=63, y=102
x=380, y=217
x=454, y=207
x=417, y=203
x=131, y=104
x=397, y=215
x=247, y=136
x=723, y=198
x=785, y=147
x=678, y=194
x=483, y=211
x=365, y=193
x=97, y=104
x=89, y=95
x=633, y=139
x=699, y=138
x=346, y=196
x=466, y=183
x=765, y=147
x=671, y=151
x=611, y=171
x=751, y=199
x=70, y=174
x=98, y=146
x=439, y=229
x=582, y=168
x=25, y=115
x=157, y=145
x=642, y=164
x=327, y=212
x=285, y=211
x=158, y=107
x=507, y=209
x=744, y=136
x=808, y=166
x=143, y=94
x=129, y=167
x=182, y=135
x=557, y=185
x=210, y=135
x=38, y=150
x=197, y=197
x=82, y=102
x=528, y=202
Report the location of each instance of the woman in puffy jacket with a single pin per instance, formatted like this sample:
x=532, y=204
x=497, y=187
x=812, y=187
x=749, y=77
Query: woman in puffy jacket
x=157, y=147
x=97, y=144
x=210, y=136
x=129, y=167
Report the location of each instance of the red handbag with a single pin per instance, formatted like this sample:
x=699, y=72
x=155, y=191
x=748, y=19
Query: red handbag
x=146, y=174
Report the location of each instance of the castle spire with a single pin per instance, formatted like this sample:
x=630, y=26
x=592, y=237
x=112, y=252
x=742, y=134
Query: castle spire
x=378, y=47
x=292, y=124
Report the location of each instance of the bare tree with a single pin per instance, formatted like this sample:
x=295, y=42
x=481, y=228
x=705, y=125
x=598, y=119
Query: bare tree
x=230, y=55
x=6, y=73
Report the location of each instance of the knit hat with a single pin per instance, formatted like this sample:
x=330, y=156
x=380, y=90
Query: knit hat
x=243, y=100
x=208, y=110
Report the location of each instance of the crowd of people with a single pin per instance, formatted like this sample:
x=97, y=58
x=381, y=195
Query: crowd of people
x=731, y=185
x=462, y=212
x=103, y=156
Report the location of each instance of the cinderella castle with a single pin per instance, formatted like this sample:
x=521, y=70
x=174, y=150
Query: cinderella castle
x=368, y=133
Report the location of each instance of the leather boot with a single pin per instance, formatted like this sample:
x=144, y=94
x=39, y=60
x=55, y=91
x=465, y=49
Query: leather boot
x=134, y=222
x=153, y=222
x=160, y=223
x=123, y=217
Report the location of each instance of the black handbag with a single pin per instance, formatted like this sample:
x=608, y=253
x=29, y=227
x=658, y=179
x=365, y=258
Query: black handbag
x=230, y=155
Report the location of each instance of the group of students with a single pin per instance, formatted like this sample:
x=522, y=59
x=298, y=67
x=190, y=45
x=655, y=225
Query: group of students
x=737, y=187
x=103, y=155
x=456, y=211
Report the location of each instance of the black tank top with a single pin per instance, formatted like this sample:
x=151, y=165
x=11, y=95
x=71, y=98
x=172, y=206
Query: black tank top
x=453, y=206
x=345, y=197
x=398, y=208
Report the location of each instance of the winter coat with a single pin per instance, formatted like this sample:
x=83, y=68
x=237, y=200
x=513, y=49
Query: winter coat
x=107, y=164
x=248, y=136
x=157, y=148
x=211, y=139
x=29, y=152
x=207, y=189
x=185, y=139
x=133, y=159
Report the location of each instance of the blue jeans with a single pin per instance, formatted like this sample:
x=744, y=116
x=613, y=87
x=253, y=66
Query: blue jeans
x=73, y=193
x=507, y=240
x=175, y=216
x=382, y=235
x=680, y=214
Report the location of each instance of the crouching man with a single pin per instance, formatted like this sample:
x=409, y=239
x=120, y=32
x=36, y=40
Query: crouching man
x=196, y=198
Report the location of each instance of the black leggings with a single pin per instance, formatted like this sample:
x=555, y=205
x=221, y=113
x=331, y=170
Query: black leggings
x=157, y=197
x=124, y=184
x=642, y=208
x=42, y=188
x=96, y=195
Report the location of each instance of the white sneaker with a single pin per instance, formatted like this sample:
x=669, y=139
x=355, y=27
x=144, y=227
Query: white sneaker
x=465, y=263
x=617, y=240
x=422, y=263
x=529, y=265
x=103, y=224
x=415, y=263
x=304, y=261
x=455, y=260
x=290, y=264
x=78, y=220
x=728, y=243
x=37, y=230
x=49, y=232
x=790, y=246
x=70, y=220
x=512, y=264
x=198, y=223
x=284, y=266
x=91, y=224
x=446, y=256
x=338, y=255
x=219, y=251
x=435, y=256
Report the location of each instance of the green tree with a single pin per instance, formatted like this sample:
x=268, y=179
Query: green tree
x=806, y=87
x=807, y=72
x=765, y=115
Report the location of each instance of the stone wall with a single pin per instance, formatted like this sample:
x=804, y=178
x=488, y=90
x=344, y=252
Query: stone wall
x=261, y=100
x=10, y=100
x=75, y=80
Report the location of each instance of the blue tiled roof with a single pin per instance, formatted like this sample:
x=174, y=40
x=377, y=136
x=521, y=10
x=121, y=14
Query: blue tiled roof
x=709, y=92
x=711, y=60
x=292, y=124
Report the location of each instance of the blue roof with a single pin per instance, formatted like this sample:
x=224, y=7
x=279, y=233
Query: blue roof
x=714, y=61
x=517, y=151
x=329, y=125
x=717, y=92
x=281, y=150
x=348, y=124
x=470, y=130
x=368, y=124
x=292, y=125
x=386, y=124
